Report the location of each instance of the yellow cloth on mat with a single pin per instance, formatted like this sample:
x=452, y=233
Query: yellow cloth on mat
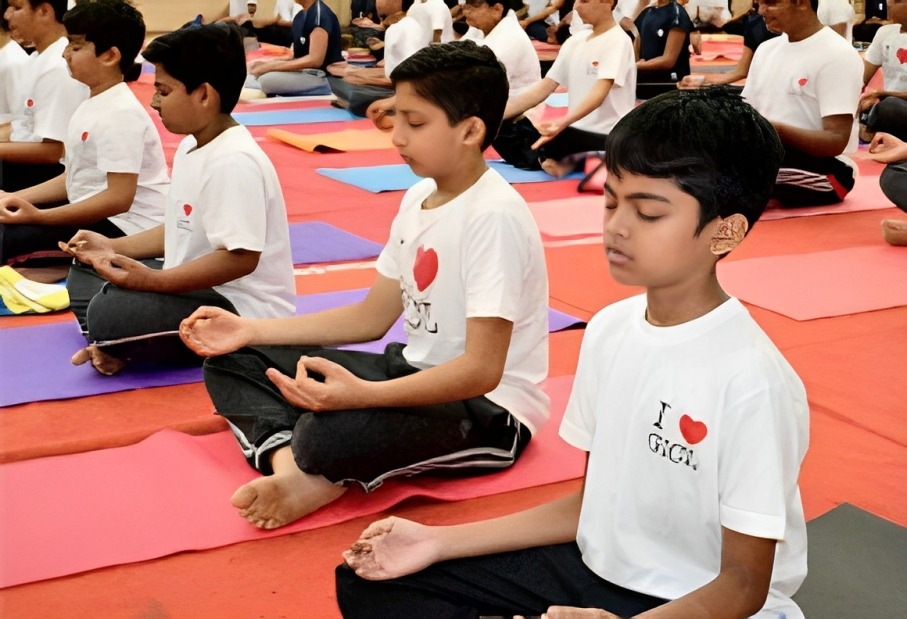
x=24, y=296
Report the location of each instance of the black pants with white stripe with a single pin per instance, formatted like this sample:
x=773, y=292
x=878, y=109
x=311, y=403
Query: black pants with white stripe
x=805, y=180
x=368, y=445
x=525, y=582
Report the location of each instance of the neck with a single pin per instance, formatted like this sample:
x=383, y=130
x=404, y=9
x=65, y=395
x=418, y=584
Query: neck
x=603, y=26
x=456, y=182
x=809, y=27
x=661, y=3
x=667, y=308
x=305, y=4
x=49, y=37
x=106, y=84
x=212, y=130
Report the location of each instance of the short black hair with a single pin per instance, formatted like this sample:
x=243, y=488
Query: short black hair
x=710, y=142
x=462, y=78
x=204, y=54
x=59, y=7
x=4, y=25
x=507, y=4
x=108, y=24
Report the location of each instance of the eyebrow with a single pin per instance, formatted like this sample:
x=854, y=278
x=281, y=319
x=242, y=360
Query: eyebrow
x=640, y=195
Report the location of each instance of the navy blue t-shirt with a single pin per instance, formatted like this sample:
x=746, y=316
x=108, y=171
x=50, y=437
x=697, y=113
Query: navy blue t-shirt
x=653, y=24
x=317, y=16
x=876, y=8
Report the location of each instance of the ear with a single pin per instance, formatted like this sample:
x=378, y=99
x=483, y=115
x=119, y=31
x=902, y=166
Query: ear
x=209, y=97
x=111, y=56
x=474, y=131
x=728, y=234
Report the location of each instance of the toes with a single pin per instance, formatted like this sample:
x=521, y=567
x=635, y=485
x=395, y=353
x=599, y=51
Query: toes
x=81, y=357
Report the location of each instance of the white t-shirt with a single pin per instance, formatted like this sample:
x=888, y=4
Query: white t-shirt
x=226, y=195
x=800, y=83
x=286, y=10
x=48, y=96
x=401, y=41
x=514, y=50
x=478, y=256
x=12, y=57
x=583, y=60
x=832, y=12
x=887, y=44
x=433, y=15
x=238, y=7
x=112, y=132
x=689, y=429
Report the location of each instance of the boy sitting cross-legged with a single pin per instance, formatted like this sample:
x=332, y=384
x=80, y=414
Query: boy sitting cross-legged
x=224, y=240
x=465, y=267
x=694, y=424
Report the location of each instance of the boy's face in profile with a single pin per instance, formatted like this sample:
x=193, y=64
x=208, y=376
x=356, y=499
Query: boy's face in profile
x=175, y=105
x=423, y=135
x=482, y=15
x=650, y=234
x=22, y=19
x=84, y=64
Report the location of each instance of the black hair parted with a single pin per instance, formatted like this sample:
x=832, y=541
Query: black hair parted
x=462, y=78
x=108, y=24
x=204, y=54
x=710, y=142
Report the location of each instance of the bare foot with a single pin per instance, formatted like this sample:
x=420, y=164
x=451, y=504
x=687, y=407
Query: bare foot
x=895, y=231
x=100, y=360
x=559, y=168
x=286, y=496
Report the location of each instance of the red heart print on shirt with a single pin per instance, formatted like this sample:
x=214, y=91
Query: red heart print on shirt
x=187, y=209
x=30, y=103
x=84, y=136
x=902, y=55
x=693, y=431
x=425, y=268
x=802, y=81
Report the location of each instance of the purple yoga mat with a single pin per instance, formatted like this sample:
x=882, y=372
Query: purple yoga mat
x=316, y=242
x=42, y=370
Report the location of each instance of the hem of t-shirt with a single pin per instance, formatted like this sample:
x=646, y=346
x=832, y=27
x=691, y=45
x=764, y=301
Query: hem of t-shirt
x=751, y=523
x=575, y=436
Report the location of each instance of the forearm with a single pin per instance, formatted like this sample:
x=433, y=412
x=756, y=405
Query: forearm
x=141, y=245
x=552, y=523
x=529, y=98
x=34, y=153
x=48, y=192
x=593, y=101
x=815, y=142
x=213, y=269
x=85, y=212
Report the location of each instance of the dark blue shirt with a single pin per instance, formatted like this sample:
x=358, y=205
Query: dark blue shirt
x=754, y=31
x=317, y=16
x=653, y=24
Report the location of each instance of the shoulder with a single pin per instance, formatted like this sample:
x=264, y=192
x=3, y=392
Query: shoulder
x=618, y=313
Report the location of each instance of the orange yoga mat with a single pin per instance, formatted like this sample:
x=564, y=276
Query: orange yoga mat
x=569, y=218
x=170, y=493
x=821, y=284
x=348, y=140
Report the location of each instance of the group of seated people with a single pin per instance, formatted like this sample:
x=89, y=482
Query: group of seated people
x=171, y=268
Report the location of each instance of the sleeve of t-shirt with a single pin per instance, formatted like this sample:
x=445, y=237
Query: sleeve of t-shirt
x=235, y=204
x=758, y=461
x=839, y=84
x=614, y=62
x=681, y=19
x=495, y=256
x=875, y=54
x=559, y=70
x=59, y=96
x=121, y=147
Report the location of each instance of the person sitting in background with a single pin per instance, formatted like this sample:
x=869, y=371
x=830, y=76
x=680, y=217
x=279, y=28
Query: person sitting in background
x=662, y=48
x=886, y=110
x=892, y=151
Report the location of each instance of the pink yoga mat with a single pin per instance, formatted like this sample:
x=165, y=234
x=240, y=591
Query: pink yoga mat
x=171, y=493
x=569, y=218
x=865, y=196
x=821, y=284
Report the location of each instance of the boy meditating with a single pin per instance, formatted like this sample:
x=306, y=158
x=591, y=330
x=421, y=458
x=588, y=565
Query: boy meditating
x=224, y=239
x=694, y=424
x=464, y=265
x=116, y=179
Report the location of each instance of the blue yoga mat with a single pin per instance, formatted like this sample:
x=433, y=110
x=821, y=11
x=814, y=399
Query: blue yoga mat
x=293, y=117
x=399, y=176
x=43, y=371
x=316, y=242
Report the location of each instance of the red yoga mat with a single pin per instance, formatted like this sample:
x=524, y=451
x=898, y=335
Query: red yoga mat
x=171, y=493
x=821, y=284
